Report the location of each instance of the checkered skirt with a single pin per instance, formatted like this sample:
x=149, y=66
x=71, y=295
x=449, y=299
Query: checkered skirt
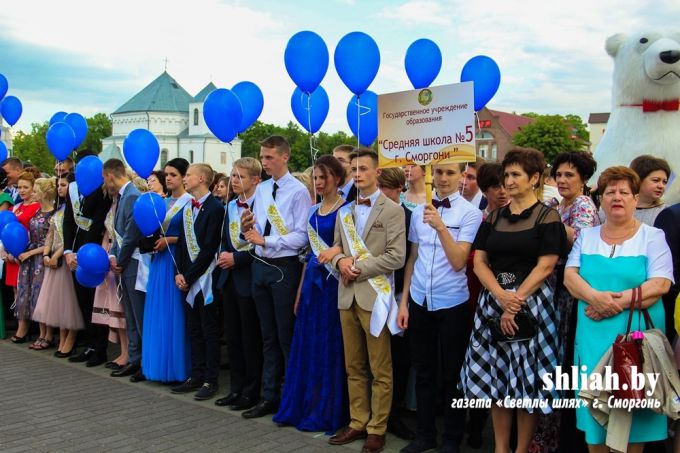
x=494, y=370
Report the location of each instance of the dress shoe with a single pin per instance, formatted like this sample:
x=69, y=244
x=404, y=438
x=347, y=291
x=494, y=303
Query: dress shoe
x=243, y=403
x=346, y=436
x=187, y=386
x=95, y=360
x=127, y=370
x=263, y=408
x=82, y=357
x=419, y=445
x=113, y=366
x=138, y=376
x=374, y=443
x=206, y=392
x=228, y=400
x=396, y=426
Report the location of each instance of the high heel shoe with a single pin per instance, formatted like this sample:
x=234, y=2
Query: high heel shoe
x=18, y=340
x=63, y=355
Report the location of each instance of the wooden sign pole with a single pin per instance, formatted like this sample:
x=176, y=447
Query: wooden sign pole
x=428, y=183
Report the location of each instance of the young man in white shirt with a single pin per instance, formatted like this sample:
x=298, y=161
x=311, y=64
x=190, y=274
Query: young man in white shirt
x=433, y=306
x=277, y=227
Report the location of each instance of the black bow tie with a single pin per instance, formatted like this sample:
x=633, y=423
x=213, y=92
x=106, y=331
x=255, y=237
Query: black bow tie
x=445, y=203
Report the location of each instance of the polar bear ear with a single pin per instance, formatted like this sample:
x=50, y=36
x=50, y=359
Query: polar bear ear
x=614, y=43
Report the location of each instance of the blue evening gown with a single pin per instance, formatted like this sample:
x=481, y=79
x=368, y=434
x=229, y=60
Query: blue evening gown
x=314, y=395
x=165, y=344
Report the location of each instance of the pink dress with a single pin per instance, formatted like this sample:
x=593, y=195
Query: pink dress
x=108, y=308
x=57, y=304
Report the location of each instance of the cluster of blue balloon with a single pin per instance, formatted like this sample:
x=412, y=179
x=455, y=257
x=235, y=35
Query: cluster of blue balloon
x=10, y=109
x=227, y=113
x=65, y=134
x=13, y=234
x=93, y=264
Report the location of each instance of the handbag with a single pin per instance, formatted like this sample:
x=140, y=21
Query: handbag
x=526, y=323
x=627, y=352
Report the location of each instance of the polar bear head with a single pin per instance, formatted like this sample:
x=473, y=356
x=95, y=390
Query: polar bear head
x=646, y=66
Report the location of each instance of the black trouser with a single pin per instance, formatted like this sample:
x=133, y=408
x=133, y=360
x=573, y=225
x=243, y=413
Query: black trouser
x=95, y=336
x=203, y=328
x=244, y=341
x=401, y=365
x=274, y=296
x=429, y=333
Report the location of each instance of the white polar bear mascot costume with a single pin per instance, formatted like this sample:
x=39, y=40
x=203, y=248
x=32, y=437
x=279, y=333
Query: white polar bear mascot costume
x=645, y=117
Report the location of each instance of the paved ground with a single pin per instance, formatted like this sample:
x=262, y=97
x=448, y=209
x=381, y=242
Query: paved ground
x=51, y=405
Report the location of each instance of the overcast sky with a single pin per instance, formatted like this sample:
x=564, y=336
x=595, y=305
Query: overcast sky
x=88, y=56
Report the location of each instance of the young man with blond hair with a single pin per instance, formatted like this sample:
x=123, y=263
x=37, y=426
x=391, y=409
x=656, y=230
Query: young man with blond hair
x=195, y=254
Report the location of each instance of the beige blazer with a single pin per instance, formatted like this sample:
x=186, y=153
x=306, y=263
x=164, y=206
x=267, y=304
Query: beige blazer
x=385, y=237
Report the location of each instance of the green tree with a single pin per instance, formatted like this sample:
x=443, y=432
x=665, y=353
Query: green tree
x=31, y=147
x=552, y=134
x=98, y=127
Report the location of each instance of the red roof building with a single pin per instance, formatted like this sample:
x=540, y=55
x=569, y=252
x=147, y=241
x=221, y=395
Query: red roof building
x=495, y=131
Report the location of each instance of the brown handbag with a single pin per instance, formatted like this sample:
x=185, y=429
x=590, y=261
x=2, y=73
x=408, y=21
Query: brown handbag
x=627, y=352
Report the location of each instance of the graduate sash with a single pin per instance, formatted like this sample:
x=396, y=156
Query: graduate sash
x=235, y=228
x=143, y=261
x=316, y=241
x=204, y=283
x=59, y=224
x=176, y=207
x=385, y=309
x=273, y=213
x=83, y=222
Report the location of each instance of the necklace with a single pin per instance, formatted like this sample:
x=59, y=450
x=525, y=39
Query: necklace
x=337, y=200
x=627, y=233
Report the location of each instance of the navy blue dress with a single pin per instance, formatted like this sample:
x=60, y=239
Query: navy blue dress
x=315, y=391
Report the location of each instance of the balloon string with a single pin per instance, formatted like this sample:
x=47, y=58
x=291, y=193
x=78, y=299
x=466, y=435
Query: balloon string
x=313, y=151
x=366, y=110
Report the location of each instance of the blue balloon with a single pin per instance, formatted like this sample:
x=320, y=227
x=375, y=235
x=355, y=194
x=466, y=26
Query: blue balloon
x=11, y=109
x=89, y=279
x=59, y=116
x=357, y=59
x=3, y=151
x=252, y=103
x=149, y=212
x=486, y=75
x=93, y=258
x=223, y=114
x=362, y=117
x=4, y=85
x=60, y=140
x=7, y=217
x=310, y=110
x=89, y=175
x=306, y=59
x=79, y=126
x=141, y=151
x=14, y=238
x=423, y=62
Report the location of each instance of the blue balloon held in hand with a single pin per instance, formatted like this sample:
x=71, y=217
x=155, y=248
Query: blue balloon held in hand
x=149, y=213
x=60, y=140
x=310, y=110
x=7, y=217
x=252, y=103
x=486, y=75
x=57, y=117
x=306, y=60
x=3, y=151
x=89, y=279
x=423, y=62
x=11, y=109
x=93, y=258
x=141, y=151
x=357, y=59
x=89, y=175
x=79, y=126
x=4, y=85
x=362, y=117
x=14, y=238
x=223, y=114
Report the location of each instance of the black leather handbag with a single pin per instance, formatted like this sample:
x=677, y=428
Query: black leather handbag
x=527, y=324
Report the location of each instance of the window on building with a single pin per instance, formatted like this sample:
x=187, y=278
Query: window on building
x=195, y=117
x=164, y=157
x=191, y=156
x=483, y=151
x=223, y=158
x=494, y=151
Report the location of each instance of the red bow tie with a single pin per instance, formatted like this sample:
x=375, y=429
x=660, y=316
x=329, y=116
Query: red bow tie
x=445, y=203
x=649, y=106
x=364, y=201
x=196, y=204
x=241, y=204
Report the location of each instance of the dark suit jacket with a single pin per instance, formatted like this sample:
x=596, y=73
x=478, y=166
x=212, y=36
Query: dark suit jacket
x=399, y=274
x=207, y=226
x=125, y=225
x=352, y=193
x=242, y=260
x=669, y=221
x=94, y=206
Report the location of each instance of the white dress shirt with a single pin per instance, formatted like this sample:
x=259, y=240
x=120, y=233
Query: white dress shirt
x=477, y=199
x=361, y=212
x=293, y=202
x=433, y=278
x=201, y=200
x=344, y=190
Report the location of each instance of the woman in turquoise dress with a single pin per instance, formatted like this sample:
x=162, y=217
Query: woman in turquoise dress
x=314, y=395
x=605, y=264
x=165, y=344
